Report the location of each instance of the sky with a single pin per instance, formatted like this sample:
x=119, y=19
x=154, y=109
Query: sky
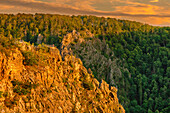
x=153, y=12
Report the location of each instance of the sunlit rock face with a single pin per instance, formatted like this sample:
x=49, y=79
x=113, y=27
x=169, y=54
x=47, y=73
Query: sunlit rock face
x=38, y=80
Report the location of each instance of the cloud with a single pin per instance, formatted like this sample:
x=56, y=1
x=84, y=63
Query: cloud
x=54, y=8
x=151, y=20
x=139, y=9
x=80, y=4
x=5, y=7
x=154, y=1
x=134, y=10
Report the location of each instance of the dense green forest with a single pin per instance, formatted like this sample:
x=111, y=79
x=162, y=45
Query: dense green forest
x=141, y=48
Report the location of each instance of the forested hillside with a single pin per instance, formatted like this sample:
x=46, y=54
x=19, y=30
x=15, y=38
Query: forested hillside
x=141, y=52
x=36, y=79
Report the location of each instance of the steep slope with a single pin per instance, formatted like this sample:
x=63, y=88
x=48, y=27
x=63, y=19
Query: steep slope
x=92, y=52
x=98, y=58
x=36, y=79
x=140, y=48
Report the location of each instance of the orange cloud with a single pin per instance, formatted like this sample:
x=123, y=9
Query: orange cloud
x=139, y=9
x=150, y=20
x=157, y=21
x=154, y=1
x=134, y=11
x=5, y=6
x=81, y=4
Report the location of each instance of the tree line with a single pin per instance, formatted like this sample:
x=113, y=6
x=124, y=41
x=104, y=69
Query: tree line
x=141, y=48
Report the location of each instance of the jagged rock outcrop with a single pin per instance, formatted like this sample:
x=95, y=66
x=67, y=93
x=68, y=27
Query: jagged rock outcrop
x=99, y=59
x=39, y=39
x=38, y=80
x=94, y=53
x=69, y=38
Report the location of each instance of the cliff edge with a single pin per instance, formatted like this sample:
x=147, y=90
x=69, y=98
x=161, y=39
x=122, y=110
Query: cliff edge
x=36, y=79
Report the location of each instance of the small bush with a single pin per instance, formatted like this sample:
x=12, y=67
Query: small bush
x=65, y=80
x=23, y=88
x=24, y=91
x=43, y=93
x=17, y=90
x=15, y=82
x=88, y=85
x=68, y=86
x=6, y=94
x=6, y=42
x=1, y=94
x=30, y=58
x=72, y=65
x=8, y=103
x=49, y=91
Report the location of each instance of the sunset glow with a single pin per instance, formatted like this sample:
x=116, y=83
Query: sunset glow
x=154, y=12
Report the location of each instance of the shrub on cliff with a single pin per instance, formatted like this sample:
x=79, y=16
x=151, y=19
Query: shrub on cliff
x=6, y=44
x=30, y=58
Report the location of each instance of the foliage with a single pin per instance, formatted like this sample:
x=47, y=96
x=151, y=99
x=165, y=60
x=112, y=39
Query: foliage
x=88, y=85
x=141, y=48
x=10, y=103
x=22, y=88
x=6, y=44
x=1, y=94
x=146, y=56
x=30, y=58
x=5, y=94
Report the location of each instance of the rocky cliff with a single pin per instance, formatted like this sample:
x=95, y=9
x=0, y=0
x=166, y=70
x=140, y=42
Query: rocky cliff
x=37, y=79
x=95, y=55
x=98, y=58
